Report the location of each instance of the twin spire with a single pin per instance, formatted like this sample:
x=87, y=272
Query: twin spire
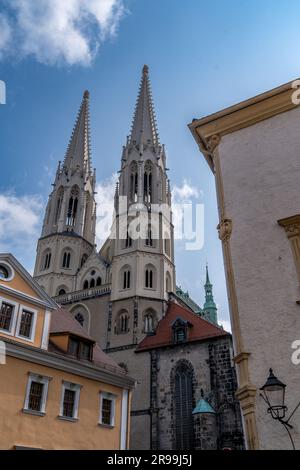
x=78, y=155
x=143, y=131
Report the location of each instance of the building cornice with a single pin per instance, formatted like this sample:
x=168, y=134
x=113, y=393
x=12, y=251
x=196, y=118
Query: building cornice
x=73, y=235
x=209, y=130
x=99, y=373
x=83, y=294
x=28, y=298
x=207, y=339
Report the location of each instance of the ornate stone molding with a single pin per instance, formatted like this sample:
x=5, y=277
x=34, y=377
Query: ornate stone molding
x=291, y=226
x=213, y=142
x=225, y=229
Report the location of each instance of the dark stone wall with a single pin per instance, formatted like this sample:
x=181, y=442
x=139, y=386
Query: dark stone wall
x=213, y=372
x=223, y=388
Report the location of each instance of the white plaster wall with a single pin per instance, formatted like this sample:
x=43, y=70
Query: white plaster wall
x=261, y=174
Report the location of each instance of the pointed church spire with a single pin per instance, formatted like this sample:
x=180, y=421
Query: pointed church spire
x=209, y=308
x=207, y=276
x=78, y=152
x=144, y=125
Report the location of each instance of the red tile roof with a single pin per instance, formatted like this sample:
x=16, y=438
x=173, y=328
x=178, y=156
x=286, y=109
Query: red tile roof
x=63, y=321
x=200, y=330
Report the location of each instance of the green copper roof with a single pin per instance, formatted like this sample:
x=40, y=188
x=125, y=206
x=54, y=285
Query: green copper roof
x=203, y=407
x=185, y=297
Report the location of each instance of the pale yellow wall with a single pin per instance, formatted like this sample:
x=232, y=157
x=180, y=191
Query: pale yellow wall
x=61, y=341
x=49, y=432
x=39, y=322
x=19, y=284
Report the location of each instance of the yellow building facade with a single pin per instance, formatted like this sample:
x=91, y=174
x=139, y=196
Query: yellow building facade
x=58, y=390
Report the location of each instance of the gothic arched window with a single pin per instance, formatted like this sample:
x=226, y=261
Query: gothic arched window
x=148, y=182
x=122, y=322
x=83, y=259
x=133, y=189
x=46, y=260
x=128, y=241
x=66, y=260
x=149, y=322
x=80, y=318
x=92, y=283
x=61, y=291
x=126, y=279
x=60, y=195
x=149, y=240
x=98, y=281
x=183, y=407
x=149, y=278
x=168, y=283
x=72, y=207
x=86, y=284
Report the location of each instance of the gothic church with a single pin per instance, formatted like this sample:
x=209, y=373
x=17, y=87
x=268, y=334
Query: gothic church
x=125, y=295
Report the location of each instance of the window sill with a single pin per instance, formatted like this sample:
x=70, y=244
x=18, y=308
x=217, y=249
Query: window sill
x=33, y=412
x=25, y=338
x=68, y=418
x=107, y=426
x=6, y=332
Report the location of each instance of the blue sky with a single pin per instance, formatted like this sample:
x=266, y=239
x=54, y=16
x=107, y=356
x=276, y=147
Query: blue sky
x=203, y=56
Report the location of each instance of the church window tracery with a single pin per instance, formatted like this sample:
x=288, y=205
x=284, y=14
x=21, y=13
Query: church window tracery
x=66, y=261
x=72, y=207
x=133, y=191
x=148, y=182
x=183, y=406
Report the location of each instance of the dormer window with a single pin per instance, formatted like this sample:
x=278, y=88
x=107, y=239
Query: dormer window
x=180, y=330
x=80, y=349
x=180, y=335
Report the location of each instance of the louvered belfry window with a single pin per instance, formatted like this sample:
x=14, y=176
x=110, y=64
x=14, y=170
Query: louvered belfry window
x=183, y=408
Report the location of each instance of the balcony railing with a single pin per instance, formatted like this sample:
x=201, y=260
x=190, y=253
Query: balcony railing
x=83, y=294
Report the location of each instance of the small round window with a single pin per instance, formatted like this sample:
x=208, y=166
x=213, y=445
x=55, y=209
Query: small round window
x=6, y=272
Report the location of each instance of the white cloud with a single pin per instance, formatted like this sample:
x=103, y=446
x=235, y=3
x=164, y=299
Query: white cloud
x=60, y=31
x=20, y=223
x=5, y=34
x=226, y=324
x=185, y=192
x=21, y=217
x=105, y=206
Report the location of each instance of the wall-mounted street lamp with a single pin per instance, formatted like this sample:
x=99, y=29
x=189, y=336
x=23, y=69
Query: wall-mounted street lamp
x=273, y=393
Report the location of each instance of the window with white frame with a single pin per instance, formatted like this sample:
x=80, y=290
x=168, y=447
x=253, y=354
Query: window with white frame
x=26, y=323
x=107, y=409
x=36, y=394
x=8, y=316
x=69, y=405
x=6, y=272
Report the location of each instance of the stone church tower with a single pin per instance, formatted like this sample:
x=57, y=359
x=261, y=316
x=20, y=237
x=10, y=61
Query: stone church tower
x=142, y=266
x=68, y=233
x=125, y=296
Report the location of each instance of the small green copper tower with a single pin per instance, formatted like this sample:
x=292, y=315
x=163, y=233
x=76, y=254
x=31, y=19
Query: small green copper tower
x=209, y=308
